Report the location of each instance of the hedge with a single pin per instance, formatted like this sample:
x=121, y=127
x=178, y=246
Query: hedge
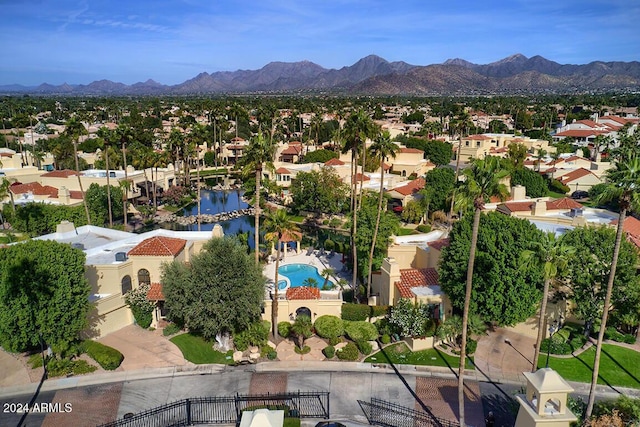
x=329, y=351
x=329, y=326
x=348, y=352
x=361, y=331
x=284, y=328
x=423, y=228
x=355, y=311
x=365, y=347
x=107, y=357
x=612, y=334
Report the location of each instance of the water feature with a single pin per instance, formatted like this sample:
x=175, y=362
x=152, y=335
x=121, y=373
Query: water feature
x=217, y=201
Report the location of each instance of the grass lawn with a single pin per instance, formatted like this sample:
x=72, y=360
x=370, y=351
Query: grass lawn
x=401, y=354
x=297, y=218
x=555, y=195
x=619, y=366
x=196, y=350
x=405, y=231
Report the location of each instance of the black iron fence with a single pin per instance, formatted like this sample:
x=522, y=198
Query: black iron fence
x=387, y=414
x=227, y=409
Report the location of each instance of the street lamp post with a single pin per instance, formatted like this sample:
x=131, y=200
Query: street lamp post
x=553, y=328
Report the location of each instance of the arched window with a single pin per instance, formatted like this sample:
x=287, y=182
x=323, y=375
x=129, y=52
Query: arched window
x=404, y=173
x=126, y=284
x=144, y=278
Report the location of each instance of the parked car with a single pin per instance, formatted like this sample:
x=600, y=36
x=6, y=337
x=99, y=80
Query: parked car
x=580, y=194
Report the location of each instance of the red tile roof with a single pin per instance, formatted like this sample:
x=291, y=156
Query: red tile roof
x=575, y=174
x=60, y=174
x=631, y=228
x=35, y=188
x=515, y=207
x=237, y=139
x=303, y=293
x=159, y=246
x=562, y=204
x=155, y=292
x=293, y=150
x=283, y=171
x=334, y=162
x=477, y=137
x=581, y=133
x=412, y=187
x=414, y=278
x=360, y=177
x=386, y=166
x=75, y=194
x=439, y=244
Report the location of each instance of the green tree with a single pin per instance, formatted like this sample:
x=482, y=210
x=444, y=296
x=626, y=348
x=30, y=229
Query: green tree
x=517, y=154
x=278, y=225
x=625, y=184
x=413, y=211
x=43, y=292
x=107, y=136
x=553, y=256
x=381, y=149
x=319, y=156
x=533, y=182
x=441, y=181
x=259, y=153
x=221, y=290
x=301, y=330
x=482, y=182
x=319, y=191
x=439, y=153
x=100, y=209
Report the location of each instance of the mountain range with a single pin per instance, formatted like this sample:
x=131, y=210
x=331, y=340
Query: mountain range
x=373, y=75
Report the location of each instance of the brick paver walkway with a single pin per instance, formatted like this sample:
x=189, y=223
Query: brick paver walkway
x=90, y=406
x=268, y=382
x=441, y=397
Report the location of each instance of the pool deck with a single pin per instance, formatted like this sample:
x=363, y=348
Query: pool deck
x=315, y=259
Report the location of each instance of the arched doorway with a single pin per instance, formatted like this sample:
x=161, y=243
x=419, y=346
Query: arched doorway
x=303, y=311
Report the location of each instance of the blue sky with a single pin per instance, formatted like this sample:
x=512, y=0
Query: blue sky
x=171, y=41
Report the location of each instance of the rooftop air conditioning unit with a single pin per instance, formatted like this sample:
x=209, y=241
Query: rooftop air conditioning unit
x=121, y=256
x=576, y=212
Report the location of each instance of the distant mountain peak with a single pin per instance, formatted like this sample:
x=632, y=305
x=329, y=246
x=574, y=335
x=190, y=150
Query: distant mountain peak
x=459, y=61
x=518, y=57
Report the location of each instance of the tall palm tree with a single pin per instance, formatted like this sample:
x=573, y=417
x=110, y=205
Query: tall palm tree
x=278, y=224
x=105, y=134
x=355, y=135
x=482, y=182
x=624, y=186
x=553, y=256
x=124, y=134
x=74, y=128
x=5, y=190
x=382, y=149
x=258, y=154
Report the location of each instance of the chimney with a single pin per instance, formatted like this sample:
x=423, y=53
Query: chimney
x=64, y=196
x=518, y=192
x=65, y=227
x=539, y=208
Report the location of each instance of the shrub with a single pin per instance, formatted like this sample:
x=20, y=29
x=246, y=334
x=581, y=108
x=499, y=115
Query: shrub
x=563, y=333
x=329, y=351
x=329, y=326
x=272, y=355
x=613, y=334
x=379, y=310
x=355, y=312
x=141, y=307
x=35, y=360
x=385, y=339
x=304, y=350
x=471, y=346
x=556, y=348
x=284, y=329
x=256, y=334
x=107, y=357
x=171, y=329
x=423, y=228
x=361, y=331
x=335, y=340
x=365, y=347
x=329, y=245
x=59, y=367
x=558, y=187
x=335, y=223
x=348, y=352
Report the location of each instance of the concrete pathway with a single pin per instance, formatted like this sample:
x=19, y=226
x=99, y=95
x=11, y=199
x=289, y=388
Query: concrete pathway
x=286, y=350
x=144, y=349
x=12, y=371
x=503, y=355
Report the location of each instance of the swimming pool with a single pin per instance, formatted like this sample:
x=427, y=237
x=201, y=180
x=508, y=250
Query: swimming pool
x=297, y=274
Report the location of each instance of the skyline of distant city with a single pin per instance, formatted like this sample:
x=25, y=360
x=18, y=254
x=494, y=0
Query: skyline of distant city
x=78, y=42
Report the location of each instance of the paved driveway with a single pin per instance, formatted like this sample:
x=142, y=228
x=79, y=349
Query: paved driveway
x=12, y=372
x=144, y=349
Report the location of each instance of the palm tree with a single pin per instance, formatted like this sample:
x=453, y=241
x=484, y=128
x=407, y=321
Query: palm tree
x=326, y=273
x=482, y=182
x=301, y=329
x=5, y=190
x=355, y=135
x=124, y=134
x=624, y=183
x=553, y=256
x=382, y=149
x=259, y=153
x=74, y=128
x=278, y=224
x=105, y=134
